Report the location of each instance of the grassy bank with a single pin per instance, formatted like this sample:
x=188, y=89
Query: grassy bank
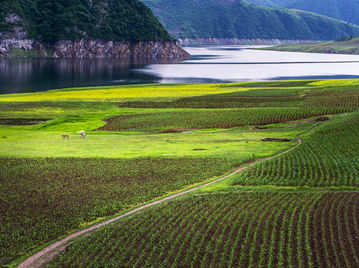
x=332, y=47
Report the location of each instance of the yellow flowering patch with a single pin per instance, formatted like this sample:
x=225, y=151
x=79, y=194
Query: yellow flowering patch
x=336, y=82
x=124, y=93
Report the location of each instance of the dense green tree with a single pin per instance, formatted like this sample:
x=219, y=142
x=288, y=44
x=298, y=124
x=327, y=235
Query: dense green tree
x=51, y=20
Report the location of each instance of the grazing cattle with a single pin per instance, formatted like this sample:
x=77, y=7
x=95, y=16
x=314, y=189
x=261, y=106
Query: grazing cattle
x=65, y=136
x=82, y=133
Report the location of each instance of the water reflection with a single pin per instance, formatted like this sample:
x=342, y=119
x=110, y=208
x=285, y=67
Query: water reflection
x=29, y=75
x=207, y=65
x=244, y=64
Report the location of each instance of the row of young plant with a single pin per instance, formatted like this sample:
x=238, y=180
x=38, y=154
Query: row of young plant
x=42, y=199
x=214, y=118
x=268, y=97
x=246, y=229
x=328, y=157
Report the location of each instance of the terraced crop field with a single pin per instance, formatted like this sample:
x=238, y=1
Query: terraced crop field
x=252, y=107
x=328, y=157
x=230, y=230
x=213, y=118
x=44, y=198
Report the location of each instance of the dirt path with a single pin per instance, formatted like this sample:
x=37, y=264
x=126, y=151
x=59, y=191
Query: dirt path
x=50, y=252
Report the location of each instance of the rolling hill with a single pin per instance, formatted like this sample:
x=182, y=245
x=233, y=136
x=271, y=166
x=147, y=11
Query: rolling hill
x=239, y=19
x=347, y=10
x=51, y=20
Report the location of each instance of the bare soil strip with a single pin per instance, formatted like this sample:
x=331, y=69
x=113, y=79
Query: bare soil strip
x=50, y=252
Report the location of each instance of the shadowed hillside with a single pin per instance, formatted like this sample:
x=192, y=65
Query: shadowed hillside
x=239, y=19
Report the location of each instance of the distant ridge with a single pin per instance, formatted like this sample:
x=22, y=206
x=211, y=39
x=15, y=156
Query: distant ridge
x=242, y=20
x=346, y=10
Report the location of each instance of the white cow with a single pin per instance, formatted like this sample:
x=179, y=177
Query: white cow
x=82, y=133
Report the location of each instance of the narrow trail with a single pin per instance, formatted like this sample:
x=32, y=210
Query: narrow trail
x=47, y=254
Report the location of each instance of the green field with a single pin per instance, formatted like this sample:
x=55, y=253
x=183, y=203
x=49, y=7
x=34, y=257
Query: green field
x=147, y=141
x=328, y=157
x=247, y=229
x=333, y=47
x=44, y=198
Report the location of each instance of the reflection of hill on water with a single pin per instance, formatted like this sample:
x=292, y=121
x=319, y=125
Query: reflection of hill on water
x=35, y=74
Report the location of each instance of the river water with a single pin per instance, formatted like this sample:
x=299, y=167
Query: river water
x=207, y=64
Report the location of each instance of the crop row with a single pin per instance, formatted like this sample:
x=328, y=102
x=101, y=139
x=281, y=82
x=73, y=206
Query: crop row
x=42, y=199
x=206, y=119
x=328, y=157
x=245, y=229
x=219, y=102
x=350, y=102
x=268, y=97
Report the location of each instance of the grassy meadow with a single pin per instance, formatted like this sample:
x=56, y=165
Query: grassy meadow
x=334, y=47
x=146, y=141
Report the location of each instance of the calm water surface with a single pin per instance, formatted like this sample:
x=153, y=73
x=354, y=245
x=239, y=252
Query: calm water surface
x=207, y=64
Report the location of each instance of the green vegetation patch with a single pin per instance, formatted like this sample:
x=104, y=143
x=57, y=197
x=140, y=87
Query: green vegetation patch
x=18, y=52
x=337, y=47
x=241, y=143
x=231, y=230
x=21, y=121
x=53, y=20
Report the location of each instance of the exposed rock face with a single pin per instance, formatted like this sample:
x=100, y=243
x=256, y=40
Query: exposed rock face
x=8, y=44
x=236, y=41
x=96, y=49
x=17, y=31
x=118, y=49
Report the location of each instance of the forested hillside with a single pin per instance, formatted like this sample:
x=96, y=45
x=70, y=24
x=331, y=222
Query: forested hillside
x=347, y=10
x=239, y=19
x=51, y=20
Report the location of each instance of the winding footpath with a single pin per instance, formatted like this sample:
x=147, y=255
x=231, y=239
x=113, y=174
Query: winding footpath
x=41, y=258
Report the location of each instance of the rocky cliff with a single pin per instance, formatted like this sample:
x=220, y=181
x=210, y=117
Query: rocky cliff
x=118, y=49
x=92, y=49
x=235, y=41
x=117, y=29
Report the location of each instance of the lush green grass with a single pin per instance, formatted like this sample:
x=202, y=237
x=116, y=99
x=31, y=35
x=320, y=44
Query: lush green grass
x=246, y=229
x=241, y=143
x=327, y=157
x=344, y=47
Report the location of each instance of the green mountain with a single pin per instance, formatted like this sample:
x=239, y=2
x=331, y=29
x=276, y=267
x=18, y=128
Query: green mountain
x=52, y=20
x=347, y=10
x=240, y=19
